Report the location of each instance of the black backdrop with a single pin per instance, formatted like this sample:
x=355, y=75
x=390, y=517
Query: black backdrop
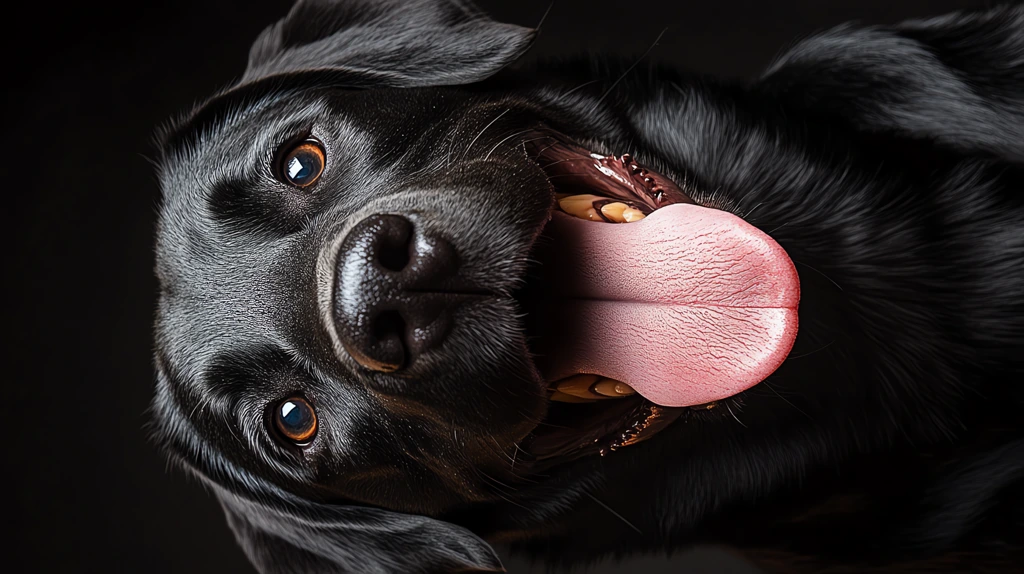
x=86, y=85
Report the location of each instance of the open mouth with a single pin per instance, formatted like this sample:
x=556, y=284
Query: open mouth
x=642, y=305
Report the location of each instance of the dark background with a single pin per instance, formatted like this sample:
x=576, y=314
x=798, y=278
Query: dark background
x=86, y=85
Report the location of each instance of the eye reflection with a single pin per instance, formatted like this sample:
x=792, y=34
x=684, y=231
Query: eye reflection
x=296, y=420
x=303, y=165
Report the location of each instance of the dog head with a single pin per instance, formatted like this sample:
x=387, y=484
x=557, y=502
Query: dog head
x=314, y=215
x=349, y=309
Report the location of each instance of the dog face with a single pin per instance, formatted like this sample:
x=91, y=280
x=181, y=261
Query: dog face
x=273, y=291
x=353, y=335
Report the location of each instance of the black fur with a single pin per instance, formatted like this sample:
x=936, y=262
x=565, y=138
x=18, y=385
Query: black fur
x=886, y=161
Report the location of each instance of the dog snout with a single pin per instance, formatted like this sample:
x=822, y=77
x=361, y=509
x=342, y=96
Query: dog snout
x=393, y=292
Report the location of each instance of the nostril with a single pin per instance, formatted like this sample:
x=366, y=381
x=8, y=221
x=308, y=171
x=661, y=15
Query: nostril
x=395, y=247
x=387, y=346
x=389, y=324
x=393, y=257
x=394, y=284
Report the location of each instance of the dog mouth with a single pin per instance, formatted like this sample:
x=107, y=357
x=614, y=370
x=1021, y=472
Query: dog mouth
x=641, y=305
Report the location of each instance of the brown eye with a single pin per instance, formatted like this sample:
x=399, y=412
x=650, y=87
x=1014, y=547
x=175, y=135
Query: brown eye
x=303, y=164
x=295, y=420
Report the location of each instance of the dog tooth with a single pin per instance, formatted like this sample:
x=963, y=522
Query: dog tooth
x=624, y=389
x=613, y=211
x=611, y=388
x=588, y=198
x=581, y=206
x=566, y=398
x=630, y=215
x=578, y=386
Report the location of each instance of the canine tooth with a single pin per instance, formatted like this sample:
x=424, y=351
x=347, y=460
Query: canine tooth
x=630, y=215
x=581, y=206
x=615, y=389
x=578, y=386
x=564, y=398
x=613, y=211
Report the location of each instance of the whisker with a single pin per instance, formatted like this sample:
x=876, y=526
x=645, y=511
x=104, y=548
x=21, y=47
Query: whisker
x=231, y=429
x=501, y=450
x=615, y=514
x=451, y=140
x=547, y=424
x=496, y=482
x=561, y=97
x=545, y=16
x=434, y=166
x=505, y=139
x=769, y=387
x=734, y=415
x=808, y=353
x=489, y=124
x=819, y=273
x=542, y=137
x=751, y=210
x=510, y=501
x=630, y=69
x=199, y=403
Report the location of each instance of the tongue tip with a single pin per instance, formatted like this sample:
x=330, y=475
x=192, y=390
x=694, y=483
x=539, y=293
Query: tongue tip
x=750, y=342
x=737, y=369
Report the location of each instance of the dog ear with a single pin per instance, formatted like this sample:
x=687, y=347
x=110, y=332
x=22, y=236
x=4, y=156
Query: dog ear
x=957, y=79
x=399, y=43
x=313, y=538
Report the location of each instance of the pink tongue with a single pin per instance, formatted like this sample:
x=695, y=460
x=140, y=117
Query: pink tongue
x=687, y=306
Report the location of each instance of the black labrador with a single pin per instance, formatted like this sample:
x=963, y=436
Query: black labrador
x=413, y=298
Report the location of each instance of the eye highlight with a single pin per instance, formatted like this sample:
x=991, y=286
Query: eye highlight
x=295, y=419
x=303, y=164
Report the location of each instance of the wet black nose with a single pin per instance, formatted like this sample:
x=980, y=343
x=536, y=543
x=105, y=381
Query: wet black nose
x=392, y=294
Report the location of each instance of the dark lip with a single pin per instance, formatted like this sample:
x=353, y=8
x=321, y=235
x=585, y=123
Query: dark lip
x=606, y=426
x=630, y=422
x=619, y=178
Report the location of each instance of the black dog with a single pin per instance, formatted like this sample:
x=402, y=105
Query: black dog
x=362, y=298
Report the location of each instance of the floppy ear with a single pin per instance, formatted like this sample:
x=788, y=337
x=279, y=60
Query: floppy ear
x=400, y=43
x=314, y=538
x=956, y=79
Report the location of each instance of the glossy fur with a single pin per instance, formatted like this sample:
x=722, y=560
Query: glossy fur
x=886, y=161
